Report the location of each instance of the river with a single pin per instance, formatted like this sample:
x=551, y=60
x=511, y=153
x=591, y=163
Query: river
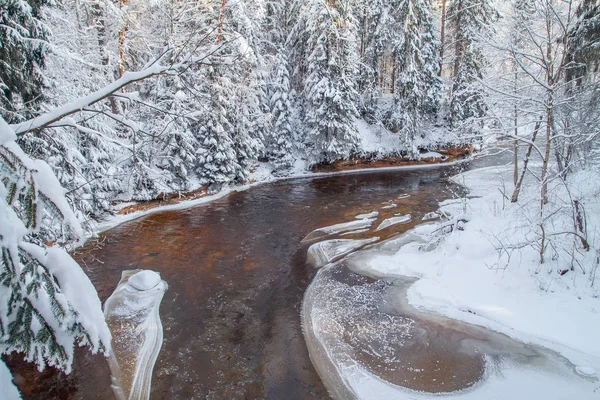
x=237, y=274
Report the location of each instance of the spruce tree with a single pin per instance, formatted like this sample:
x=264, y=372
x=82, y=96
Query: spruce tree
x=469, y=20
x=377, y=33
x=329, y=84
x=216, y=160
x=417, y=86
x=22, y=51
x=583, y=42
x=280, y=141
x=47, y=304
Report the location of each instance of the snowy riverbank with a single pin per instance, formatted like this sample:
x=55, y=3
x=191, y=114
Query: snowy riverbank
x=478, y=265
x=485, y=271
x=262, y=174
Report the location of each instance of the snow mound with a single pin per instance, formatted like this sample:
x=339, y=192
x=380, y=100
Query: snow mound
x=586, y=371
x=132, y=314
x=430, y=215
x=356, y=232
x=144, y=280
x=370, y=215
x=431, y=154
x=399, y=219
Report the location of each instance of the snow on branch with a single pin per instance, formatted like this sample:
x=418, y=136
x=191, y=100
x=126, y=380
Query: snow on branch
x=153, y=68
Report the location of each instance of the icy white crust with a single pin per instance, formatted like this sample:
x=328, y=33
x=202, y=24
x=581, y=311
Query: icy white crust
x=431, y=215
x=144, y=280
x=338, y=228
x=356, y=232
x=132, y=314
x=322, y=253
x=373, y=214
x=335, y=316
x=398, y=219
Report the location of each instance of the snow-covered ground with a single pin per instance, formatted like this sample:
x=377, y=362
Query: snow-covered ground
x=486, y=271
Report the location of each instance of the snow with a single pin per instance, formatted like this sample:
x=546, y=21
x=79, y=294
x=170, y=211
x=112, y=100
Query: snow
x=80, y=292
x=513, y=383
x=430, y=215
x=465, y=275
x=586, y=371
x=322, y=253
x=377, y=139
x=144, y=280
x=9, y=390
x=133, y=316
x=465, y=278
x=338, y=228
x=399, y=219
x=6, y=133
x=430, y=154
x=356, y=232
x=389, y=204
x=373, y=214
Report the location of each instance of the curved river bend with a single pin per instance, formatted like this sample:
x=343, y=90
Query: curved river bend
x=237, y=273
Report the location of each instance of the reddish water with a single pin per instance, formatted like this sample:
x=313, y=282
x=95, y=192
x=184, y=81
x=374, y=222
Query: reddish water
x=237, y=273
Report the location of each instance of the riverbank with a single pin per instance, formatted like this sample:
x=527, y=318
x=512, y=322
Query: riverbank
x=264, y=173
x=483, y=266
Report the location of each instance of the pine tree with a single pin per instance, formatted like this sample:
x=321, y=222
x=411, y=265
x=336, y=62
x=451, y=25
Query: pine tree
x=22, y=52
x=417, y=85
x=330, y=80
x=469, y=19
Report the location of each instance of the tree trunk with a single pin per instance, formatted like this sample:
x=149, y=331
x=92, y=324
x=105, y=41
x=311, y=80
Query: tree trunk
x=394, y=73
x=221, y=16
x=121, y=43
x=515, y=196
x=516, y=129
x=442, y=37
x=100, y=24
x=545, y=161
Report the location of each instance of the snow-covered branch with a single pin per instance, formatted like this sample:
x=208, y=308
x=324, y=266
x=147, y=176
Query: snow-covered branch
x=151, y=69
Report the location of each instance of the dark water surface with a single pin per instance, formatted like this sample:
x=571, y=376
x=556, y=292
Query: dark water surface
x=237, y=273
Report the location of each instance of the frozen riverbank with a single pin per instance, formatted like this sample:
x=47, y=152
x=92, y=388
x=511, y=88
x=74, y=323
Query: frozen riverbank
x=479, y=267
x=485, y=273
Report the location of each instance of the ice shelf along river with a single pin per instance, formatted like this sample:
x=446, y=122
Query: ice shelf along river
x=237, y=273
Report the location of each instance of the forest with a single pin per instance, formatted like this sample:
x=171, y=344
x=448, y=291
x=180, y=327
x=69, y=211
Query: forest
x=111, y=101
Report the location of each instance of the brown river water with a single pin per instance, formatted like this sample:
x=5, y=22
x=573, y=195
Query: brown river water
x=237, y=274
